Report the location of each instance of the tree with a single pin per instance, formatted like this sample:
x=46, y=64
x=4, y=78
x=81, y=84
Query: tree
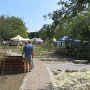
x=81, y=27
x=12, y=26
x=33, y=35
x=63, y=17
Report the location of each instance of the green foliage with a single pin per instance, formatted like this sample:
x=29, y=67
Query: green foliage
x=33, y=35
x=46, y=32
x=12, y=26
x=80, y=28
x=72, y=19
x=64, y=19
x=40, y=50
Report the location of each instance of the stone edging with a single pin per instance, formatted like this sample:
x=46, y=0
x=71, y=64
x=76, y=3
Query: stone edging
x=52, y=79
x=22, y=86
x=80, y=61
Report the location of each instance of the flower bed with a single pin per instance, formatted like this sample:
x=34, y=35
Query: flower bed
x=73, y=80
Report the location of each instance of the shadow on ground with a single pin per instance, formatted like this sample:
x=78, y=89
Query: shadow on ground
x=48, y=87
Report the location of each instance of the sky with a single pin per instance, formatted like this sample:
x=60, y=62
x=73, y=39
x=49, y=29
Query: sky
x=30, y=11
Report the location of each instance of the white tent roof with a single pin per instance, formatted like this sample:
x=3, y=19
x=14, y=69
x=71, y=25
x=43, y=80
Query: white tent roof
x=38, y=39
x=18, y=38
x=27, y=39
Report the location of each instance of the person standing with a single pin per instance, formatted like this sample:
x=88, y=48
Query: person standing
x=28, y=53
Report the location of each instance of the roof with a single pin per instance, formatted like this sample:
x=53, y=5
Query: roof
x=17, y=38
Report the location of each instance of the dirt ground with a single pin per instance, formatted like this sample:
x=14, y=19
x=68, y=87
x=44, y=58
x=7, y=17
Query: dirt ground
x=11, y=82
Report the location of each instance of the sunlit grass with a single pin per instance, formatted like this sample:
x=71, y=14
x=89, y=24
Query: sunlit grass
x=39, y=50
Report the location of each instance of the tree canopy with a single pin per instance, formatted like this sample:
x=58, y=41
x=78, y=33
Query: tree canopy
x=12, y=26
x=71, y=19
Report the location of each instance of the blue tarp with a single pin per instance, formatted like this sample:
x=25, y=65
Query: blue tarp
x=68, y=39
x=64, y=38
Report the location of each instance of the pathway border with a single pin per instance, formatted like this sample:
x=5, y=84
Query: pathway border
x=22, y=87
x=52, y=79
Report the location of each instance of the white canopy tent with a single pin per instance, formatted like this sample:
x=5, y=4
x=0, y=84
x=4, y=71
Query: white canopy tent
x=38, y=40
x=18, y=38
x=27, y=39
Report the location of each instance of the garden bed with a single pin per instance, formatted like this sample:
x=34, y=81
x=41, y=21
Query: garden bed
x=73, y=80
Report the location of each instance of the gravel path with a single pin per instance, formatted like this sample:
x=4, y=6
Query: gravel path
x=38, y=78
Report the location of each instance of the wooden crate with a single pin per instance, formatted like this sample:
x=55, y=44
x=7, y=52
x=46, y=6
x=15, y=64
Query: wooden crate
x=12, y=64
